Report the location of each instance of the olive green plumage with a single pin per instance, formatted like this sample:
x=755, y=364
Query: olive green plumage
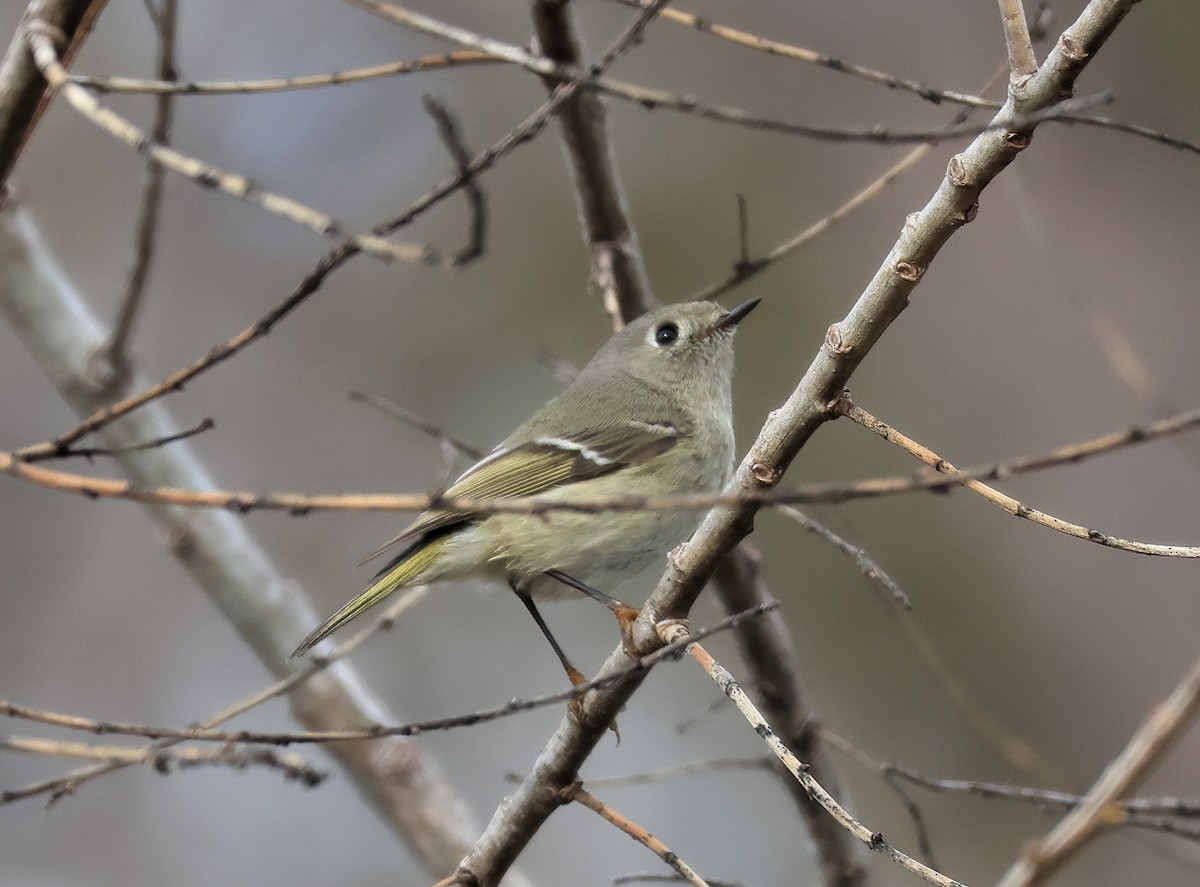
x=650, y=414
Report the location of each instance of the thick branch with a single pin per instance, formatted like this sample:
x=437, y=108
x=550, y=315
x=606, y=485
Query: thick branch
x=618, y=270
x=403, y=786
x=23, y=92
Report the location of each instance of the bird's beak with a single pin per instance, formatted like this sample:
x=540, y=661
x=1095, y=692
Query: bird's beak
x=730, y=319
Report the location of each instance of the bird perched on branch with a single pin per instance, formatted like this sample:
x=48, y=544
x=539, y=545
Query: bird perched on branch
x=650, y=415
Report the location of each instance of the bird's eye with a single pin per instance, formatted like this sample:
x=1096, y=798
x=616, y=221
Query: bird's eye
x=666, y=334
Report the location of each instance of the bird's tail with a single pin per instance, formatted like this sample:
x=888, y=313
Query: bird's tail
x=399, y=573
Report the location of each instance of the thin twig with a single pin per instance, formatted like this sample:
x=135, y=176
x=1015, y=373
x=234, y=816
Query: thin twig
x=1100, y=810
x=861, y=559
x=291, y=765
x=65, y=785
x=1038, y=797
x=451, y=135
x=873, y=840
x=408, y=417
x=651, y=99
x=1007, y=503
x=648, y=878
x=112, y=362
x=790, y=51
x=675, y=771
x=17, y=466
x=1022, y=62
x=579, y=795
x=747, y=268
x=434, y=62
x=205, y=424
x=376, y=731
x=40, y=36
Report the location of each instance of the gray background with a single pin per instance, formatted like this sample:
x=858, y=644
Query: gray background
x=1068, y=644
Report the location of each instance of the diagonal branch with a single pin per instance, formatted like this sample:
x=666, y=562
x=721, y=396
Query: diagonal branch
x=1100, y=810
x=846, y=344
x=403, y=786
x=23, y=92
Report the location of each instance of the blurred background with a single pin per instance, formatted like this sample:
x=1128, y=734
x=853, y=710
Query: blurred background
x=1067, y=644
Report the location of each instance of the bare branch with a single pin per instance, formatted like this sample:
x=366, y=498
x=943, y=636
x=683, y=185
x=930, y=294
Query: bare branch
x=40, y=36
x=784, y=434
x=205, y=424
x=1022, y=62
x=291, y=765
x=789, y=51
x=111, y=364
x=747, y=268
x=577, y=794
x=1100, y=810
x=423, y=425
x=651, y=99
x=1007, y=503
x=451, y=136
x=439, y=61
x=765, y=645
x=316, y=665
x=402, y=785
x=18, y=465
x=875, y=573
x=873, y=840
x=638, y=667
x=23, y=92
x=675, y=771
x=618, y=269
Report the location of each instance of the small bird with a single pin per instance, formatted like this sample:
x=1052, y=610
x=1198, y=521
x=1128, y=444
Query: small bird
x=650, y=414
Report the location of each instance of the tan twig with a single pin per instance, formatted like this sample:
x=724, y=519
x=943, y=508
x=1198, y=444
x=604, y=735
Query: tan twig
x=1100, y=809
x=1022, y=62
x=292, y=766
x=579, y=795
x=649, y=878
x=1007, y=503
x=17, y=466
x=40, y=36
x=435, y=62
x=730, y=687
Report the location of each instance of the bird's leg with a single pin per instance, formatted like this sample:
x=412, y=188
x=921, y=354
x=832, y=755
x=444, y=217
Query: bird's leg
x=574, y=675
x=625, y=614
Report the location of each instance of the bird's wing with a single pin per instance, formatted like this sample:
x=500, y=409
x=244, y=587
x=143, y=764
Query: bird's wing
x=542, y=464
